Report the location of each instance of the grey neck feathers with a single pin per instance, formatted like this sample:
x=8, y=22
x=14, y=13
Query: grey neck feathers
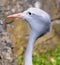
x=28, y=55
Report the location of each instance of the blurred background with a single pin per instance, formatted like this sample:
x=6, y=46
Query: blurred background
x=47, y=48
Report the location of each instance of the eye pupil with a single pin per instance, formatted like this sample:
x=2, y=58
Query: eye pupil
x=29, y=13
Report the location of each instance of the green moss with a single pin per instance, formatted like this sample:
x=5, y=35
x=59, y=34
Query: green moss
x=50, y=58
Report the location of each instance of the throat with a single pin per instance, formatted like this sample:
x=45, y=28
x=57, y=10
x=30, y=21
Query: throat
x=28, y=54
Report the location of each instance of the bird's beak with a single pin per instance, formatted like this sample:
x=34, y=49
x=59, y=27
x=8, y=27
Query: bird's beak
x=18, y=15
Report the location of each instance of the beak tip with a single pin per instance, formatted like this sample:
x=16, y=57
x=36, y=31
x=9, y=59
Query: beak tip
x=8, y=16
x=19, y=15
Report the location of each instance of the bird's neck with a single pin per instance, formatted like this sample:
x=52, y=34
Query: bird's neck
x=28, y=55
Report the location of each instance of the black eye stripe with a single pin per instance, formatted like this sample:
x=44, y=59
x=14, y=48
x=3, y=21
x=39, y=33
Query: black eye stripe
x=29, y=13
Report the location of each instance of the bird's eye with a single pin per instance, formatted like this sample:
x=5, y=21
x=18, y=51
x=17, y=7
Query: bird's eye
x=29, y=13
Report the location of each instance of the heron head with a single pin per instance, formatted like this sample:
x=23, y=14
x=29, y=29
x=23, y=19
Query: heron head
x=36, y=17
x=30, y=14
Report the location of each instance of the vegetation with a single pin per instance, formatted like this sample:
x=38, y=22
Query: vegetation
x=52, y=57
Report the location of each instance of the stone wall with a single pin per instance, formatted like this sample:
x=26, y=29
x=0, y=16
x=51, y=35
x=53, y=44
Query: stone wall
x=7, y=56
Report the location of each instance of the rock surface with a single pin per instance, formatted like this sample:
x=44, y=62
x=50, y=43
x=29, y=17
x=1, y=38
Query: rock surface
x=7, y=56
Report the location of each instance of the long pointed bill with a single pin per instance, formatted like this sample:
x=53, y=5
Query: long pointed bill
x=18, y=15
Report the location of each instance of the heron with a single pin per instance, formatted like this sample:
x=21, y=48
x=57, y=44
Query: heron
x=39, y=22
